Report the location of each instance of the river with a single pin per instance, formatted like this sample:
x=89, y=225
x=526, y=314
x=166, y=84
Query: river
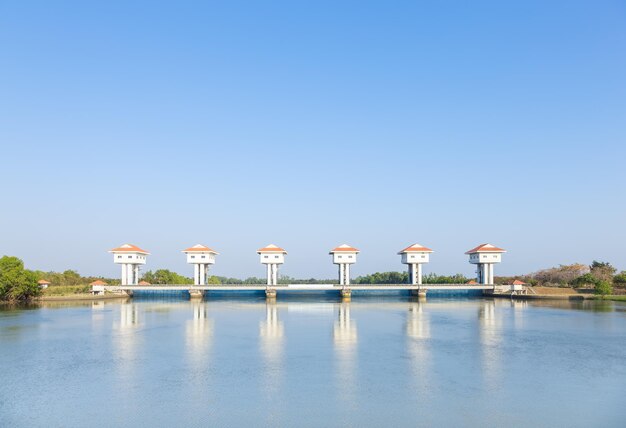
x=313, y=361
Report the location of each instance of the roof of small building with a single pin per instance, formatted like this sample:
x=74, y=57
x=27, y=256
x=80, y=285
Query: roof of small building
x=518, y=282
x=471, y=282
x=485, y=248
x=98, y=282
x=128, y=248
x=144, y=283
x=271, y=249
x=199, y=248
x=416, y=248
x=344, y=248
x=43, y=281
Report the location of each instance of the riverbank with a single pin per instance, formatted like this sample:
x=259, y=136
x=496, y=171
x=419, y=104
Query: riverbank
x=70, y=297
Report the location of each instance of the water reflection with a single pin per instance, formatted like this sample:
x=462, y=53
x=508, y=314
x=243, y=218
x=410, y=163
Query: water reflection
x=490, y=324
x=271, y=332
x=418, y=345
x=198, y=334
x=345, y=342
x=125, y=344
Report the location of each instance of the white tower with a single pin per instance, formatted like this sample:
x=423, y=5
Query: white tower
x=485, y=256
x=272, y=256
x=130, y=257
x=201, y=257
x=414, y=256
x=344, y=255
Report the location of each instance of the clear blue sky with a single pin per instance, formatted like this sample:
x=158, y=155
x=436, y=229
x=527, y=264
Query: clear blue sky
x=310, y=124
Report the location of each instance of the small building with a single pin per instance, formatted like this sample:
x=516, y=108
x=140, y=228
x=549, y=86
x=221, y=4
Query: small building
x=272, y=256
x=344, y=256
x=485, y=256
x=43, y=283
x=144, y=283
x=130, y=257
x=202, y=257
x=97, y=287
x=415, y=256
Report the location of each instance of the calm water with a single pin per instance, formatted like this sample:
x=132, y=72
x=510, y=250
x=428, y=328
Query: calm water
x=314, y=362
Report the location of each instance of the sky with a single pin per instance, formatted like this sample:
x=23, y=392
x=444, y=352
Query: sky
x=311, y=124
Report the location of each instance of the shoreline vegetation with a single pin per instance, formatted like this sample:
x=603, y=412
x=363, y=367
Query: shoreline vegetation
x=599, y=280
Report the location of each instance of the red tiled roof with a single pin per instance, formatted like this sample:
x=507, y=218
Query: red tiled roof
x=98, y=282
x=518, y=282
x=144, y=283
x=43, y=281
x=271, y=249
x=345, y=248
x=471, y=282
x=416, y=248
x=128, y=248
x=199, y=248
x=485, y=248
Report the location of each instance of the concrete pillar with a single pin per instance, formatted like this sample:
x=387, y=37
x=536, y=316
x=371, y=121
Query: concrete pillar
x=419, y=273
x=124, y=275
x=275, y=274
x=196, y=274
x=269, y=274
x=202, y=274
x=196, y=294
x=340, y=274
x=491, y=280
x=347, y=274
x=136, y=275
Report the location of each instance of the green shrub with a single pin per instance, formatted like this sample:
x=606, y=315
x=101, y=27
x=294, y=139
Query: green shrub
x=603, y=288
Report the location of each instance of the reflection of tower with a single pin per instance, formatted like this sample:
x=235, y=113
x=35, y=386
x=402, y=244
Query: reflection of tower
x=199, y=331
x=489, y=323
x=271, y=331
x=418, y=347
x=129, y=316
x=345, y=340
x=418, y=324
x=125, y=344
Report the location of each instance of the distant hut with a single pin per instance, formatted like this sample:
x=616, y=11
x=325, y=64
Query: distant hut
x=471, y=282
x=43, y=283
x=97, y=287
x=144, y=283
x=518, y=282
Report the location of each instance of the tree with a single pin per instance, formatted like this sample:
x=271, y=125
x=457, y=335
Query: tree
x=562, y=275
x=165, y=276
x=602, y=270
x=603, y=288
x=16, y=283
x=585, y=280
x=620, y=278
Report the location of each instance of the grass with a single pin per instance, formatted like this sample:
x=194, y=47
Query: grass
x=64, y=290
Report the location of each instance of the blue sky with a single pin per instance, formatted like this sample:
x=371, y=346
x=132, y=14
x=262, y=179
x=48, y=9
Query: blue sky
x=310, y=124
